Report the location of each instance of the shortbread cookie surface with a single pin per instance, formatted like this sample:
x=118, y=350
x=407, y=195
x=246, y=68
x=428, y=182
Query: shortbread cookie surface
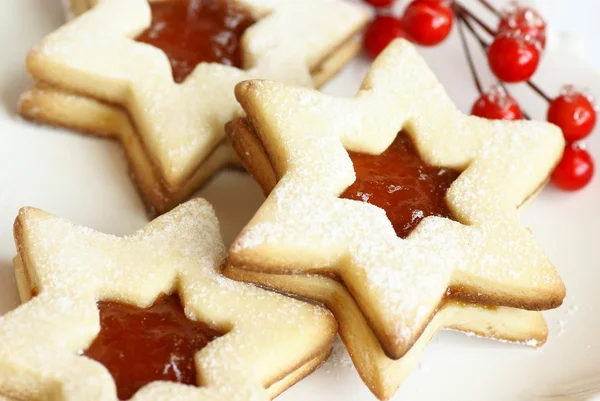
x=255, y=339
x=481, y=254
x=179, y=125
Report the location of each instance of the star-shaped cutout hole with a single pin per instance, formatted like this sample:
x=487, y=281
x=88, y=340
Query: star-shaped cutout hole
x=251, y=339
x=191, y=32
x=402, y=184
x=485, y=256
x=113, y=85
x=139, y=346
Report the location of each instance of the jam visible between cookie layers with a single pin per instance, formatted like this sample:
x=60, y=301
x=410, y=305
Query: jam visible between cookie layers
x=196, y=31
x=402, y=184
x=139, y=346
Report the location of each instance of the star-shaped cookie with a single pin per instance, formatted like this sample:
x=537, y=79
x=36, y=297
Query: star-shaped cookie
x=266, y=340
x=483, y=256
x=380, y=373
x=171, y=131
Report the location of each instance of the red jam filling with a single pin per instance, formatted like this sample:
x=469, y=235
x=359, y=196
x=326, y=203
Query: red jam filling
x=402, y=184
x=196, y=31
x=139, y=346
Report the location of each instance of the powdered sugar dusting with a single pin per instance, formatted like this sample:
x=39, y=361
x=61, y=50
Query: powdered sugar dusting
x=182, y=251
x=339, y=360
x=181, y=124
x=569, y=309
x=304, y=226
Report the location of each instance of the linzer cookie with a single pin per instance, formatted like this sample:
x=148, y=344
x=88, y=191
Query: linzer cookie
x=382, y=374
x=396, y=194
x=159, y=77
x=148, y=316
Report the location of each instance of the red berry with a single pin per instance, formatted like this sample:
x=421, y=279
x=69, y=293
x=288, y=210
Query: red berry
x=380, y=3
x=428, y=22
x=496, y=104
x=513, y=57
x=574, y=113
x=381, y=32
x=527, y=21
x=575, y=170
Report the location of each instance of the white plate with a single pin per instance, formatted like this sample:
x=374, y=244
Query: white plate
x=85, y=180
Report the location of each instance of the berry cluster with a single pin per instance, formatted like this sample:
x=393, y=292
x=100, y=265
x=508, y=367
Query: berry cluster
x=513, y=56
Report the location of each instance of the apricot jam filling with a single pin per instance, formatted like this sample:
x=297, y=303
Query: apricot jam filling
x=195, y=31
x=402, y=184
x=139, y=346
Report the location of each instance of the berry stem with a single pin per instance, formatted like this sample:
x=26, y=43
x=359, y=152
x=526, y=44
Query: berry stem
x=523, y=112
x=490, y=7
x=539, y=91
x=471, y=28
x=467, y=50
x=476, y=19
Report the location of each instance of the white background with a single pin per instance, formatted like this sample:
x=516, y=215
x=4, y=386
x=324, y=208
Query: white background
x=85, y=180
